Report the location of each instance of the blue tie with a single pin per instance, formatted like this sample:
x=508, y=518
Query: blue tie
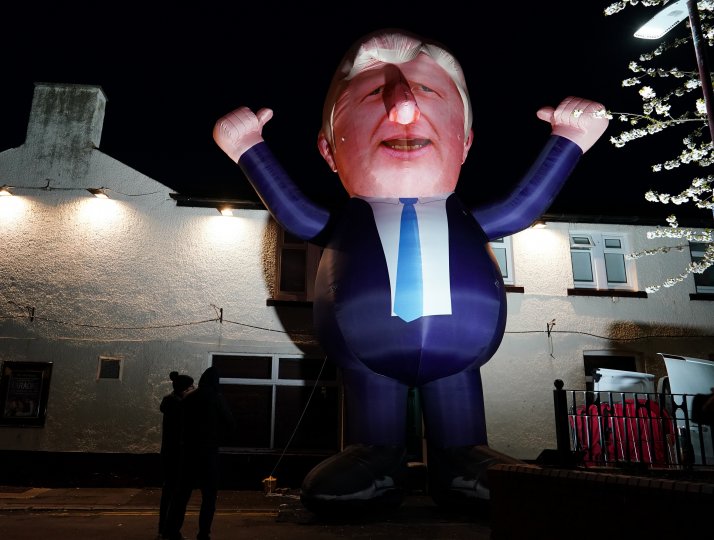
x=408, y=302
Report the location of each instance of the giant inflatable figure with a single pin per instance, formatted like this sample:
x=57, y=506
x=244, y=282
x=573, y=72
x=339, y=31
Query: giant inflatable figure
x=408, y=293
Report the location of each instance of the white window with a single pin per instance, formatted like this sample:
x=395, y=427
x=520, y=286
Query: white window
x=503, y=251
x=297, y=262
x=599, y=261
x=280, y=401
x=704, y=282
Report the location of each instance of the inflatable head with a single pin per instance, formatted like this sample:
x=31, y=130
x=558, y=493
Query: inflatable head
x=397, y=117
x=393, y=46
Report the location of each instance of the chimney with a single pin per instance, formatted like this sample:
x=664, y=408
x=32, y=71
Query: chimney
x=65, y=121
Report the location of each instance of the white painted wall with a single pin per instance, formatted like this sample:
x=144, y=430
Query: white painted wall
x=518, y=381
x=134, y=277
x=131, y=277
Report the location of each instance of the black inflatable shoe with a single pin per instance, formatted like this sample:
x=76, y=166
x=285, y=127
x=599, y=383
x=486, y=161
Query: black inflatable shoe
x=361, y=478
x=458, y=476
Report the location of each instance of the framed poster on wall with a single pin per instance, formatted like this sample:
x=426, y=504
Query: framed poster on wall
x=24, y=389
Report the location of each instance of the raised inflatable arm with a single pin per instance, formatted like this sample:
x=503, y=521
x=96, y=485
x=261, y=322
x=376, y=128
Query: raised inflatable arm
x=533, y=194
x=577, y=124
x=239, y=135
x=288, y=205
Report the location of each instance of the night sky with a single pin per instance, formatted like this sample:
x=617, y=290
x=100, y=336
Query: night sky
x=169, y=75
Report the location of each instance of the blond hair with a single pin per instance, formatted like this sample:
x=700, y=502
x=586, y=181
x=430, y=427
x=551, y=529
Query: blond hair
x=390, y=46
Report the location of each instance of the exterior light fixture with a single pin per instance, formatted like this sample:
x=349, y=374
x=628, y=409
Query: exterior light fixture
x=219, y=204
x=538, y=224
x=664, y=21
x=99, y=193
x=226, y=211
x=5, y=191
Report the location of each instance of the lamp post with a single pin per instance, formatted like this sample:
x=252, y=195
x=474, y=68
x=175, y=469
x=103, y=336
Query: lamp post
x=663, y=22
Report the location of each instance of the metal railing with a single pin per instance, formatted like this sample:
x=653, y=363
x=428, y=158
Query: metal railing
x=625, y=429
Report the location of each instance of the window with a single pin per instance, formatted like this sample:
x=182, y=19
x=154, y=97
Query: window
x=297, y=262
x=704, y=282
x=503, y=251
x=109, y=368
x=598, y=261
x=24, y=390
x=276, y=403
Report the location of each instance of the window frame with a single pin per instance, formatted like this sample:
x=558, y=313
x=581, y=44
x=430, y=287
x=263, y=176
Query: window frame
x=312, y=259
x=506, y=244
x=274, y=382
x=106, y=367
x=27, y=385
x=696, y=254
x=598, y=251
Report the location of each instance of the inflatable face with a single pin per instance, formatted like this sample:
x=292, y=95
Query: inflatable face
x=399, y=121
x=417, y=148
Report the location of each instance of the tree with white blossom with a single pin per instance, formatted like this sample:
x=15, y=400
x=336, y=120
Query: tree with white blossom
x=679, y=104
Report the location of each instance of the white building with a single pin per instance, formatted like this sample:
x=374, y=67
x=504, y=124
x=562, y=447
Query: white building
x=116, y=293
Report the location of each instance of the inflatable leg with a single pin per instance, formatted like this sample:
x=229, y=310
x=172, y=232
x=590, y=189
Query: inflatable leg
x=369, y=473
x=457, y=454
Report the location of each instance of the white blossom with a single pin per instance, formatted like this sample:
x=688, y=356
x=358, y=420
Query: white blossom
x=662, y=108
x=647, y=92
x=701, y=107
x=677, y=104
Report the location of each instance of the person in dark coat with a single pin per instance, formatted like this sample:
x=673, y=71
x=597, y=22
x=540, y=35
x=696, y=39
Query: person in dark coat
x=171, y=440
x=205, y=419
x=703, y=409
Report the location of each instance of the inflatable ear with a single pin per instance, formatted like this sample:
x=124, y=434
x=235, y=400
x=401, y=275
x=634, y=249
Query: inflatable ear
x=467, y=145
x=326, y=151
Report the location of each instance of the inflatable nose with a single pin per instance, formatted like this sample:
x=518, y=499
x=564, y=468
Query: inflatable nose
x=402, y=104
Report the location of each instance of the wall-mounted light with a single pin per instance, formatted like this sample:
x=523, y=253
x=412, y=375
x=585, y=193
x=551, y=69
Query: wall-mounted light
x=5, y=191
x=225, y=210
x=99, y=193
x=538, y=224
x=217, y=203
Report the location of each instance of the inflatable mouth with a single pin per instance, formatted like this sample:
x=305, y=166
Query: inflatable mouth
x=406, y=145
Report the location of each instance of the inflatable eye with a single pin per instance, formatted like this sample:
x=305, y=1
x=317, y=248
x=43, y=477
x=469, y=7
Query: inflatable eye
x=423, y=88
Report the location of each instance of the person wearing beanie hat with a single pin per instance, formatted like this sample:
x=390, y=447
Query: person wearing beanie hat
x=205, y=420
x=171, y=440
x=181, y=382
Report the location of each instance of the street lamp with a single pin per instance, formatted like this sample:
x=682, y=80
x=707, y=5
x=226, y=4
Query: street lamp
x=663, y=22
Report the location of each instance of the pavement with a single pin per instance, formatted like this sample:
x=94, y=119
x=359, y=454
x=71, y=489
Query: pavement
x=527, y=502
x=418, y=517
x=138, y=499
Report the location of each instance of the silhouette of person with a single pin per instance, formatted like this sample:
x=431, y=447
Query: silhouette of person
x=703, y=409
x=171, y=440
x=205, y=418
